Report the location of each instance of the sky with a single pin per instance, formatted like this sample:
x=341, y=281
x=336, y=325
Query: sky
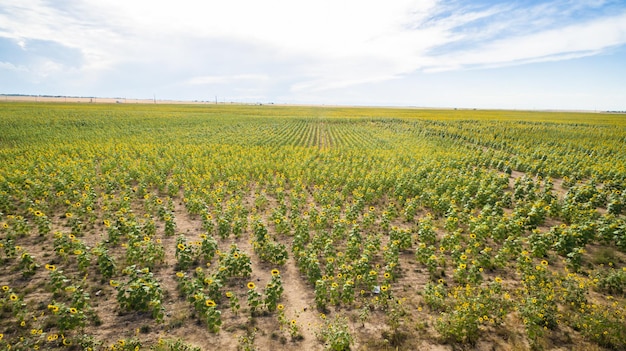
x=555, y=54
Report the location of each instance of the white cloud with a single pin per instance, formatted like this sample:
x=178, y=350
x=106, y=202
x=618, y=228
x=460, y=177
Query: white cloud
x=207, y=80
x=47, y=68
x=11, y=67
x=572, y=41
x=82, y=29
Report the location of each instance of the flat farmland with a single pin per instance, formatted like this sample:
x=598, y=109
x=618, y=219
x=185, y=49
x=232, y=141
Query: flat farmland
x=198, y=227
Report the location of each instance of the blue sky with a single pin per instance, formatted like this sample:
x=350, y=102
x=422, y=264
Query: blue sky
x=563, y=54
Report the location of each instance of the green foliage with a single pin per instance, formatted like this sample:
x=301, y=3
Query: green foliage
x=601, y=325
x=254, y=298
x=335, y=335
x=106, y=263
x=144, y=251
x=67, y=317
x=141, y=292
x=611, y=281
x=235, y=263
x=267, y=249
x=246, y=342
x=27, y=265
x=208, y=247
x=173, y=345
x=273, y=291
x=206, y=308
x=537, y=304
x=185, y=254
x=126, y=344
x=471, y=309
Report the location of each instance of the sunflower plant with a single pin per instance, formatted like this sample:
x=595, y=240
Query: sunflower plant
x=207, y=310
x=141, y=292
x=334, y=333
x=273, y=291
x=67, y=317
x=185, y=255
x=254, y=298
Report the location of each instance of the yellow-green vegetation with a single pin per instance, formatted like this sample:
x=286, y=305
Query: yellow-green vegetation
x=406, y=227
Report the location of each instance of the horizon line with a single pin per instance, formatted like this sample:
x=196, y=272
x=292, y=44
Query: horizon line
x=123, y=100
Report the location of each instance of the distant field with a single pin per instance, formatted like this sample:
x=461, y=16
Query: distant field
x=79, y=99
x=198, y=227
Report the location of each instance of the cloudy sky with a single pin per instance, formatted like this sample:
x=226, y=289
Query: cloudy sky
x=559, y=54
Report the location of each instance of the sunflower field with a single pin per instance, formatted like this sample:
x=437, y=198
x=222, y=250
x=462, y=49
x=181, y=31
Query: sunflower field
x=197, y=227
